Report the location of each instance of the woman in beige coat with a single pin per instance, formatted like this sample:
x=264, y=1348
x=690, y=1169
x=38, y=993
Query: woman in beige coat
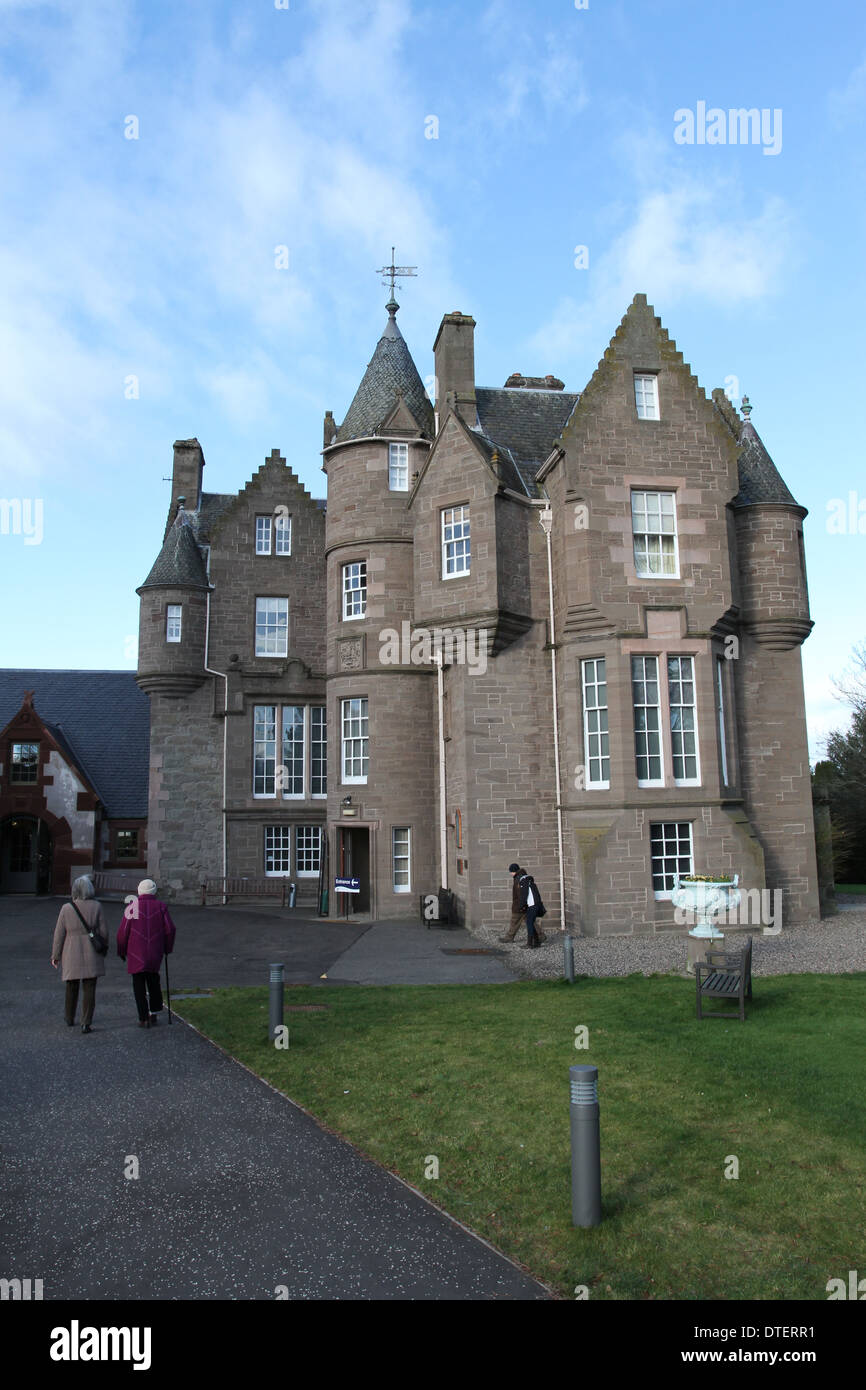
x=73, y=948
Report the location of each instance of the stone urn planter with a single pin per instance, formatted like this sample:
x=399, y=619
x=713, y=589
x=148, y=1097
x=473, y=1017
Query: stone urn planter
x=706, y=897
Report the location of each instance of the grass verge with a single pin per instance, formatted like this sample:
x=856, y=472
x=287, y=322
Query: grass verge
x=477, y=1077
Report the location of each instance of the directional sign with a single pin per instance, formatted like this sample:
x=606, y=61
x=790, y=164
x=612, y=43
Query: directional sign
x=347, y=885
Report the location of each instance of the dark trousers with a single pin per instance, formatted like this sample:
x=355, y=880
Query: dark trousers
x=146, y=983
x=531, y=933
x=88, y=1000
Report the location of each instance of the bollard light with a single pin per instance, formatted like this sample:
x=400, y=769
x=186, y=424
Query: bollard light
x=276, y=1002
x=568, y=952
x=585, y=1147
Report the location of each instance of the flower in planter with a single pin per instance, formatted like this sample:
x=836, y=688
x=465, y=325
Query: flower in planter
x=706, y=878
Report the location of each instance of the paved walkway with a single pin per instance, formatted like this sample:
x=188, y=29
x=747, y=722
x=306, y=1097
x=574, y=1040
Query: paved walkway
x=239, y=1193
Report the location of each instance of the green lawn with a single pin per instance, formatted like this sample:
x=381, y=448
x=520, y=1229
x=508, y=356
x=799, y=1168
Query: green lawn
x=851, y=887
x=477, y=1076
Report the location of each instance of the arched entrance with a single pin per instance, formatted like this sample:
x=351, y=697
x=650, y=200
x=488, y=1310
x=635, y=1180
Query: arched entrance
x=26, y=849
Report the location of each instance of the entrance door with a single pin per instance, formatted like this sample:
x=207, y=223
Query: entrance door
x=19, y=855
x=355, y=855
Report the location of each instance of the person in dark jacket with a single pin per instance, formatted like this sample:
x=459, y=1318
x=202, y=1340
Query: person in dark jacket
x=73, y=949
x=530, y=902
x=516, y=915
x=146, y=934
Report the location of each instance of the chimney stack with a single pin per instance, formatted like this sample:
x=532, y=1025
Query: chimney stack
x=454, y=351
x=186, y=477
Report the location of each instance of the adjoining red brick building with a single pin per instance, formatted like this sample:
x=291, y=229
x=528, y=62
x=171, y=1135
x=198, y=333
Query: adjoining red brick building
x=635, y=536
x=73, y=777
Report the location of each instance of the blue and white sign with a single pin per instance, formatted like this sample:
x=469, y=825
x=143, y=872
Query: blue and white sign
x=347, y=885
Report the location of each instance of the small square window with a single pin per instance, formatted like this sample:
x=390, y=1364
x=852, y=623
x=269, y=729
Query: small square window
x=278, y=850
x=671, y=853
x=646, y=397
x=126, y=844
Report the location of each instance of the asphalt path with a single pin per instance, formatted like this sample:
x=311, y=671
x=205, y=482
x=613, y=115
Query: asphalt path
x=239, y=1194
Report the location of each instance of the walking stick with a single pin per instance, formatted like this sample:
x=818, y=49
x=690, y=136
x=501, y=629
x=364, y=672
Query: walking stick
x=167, y=990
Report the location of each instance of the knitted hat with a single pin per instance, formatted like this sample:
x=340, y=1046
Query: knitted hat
x=514, y=868
x=147, y=885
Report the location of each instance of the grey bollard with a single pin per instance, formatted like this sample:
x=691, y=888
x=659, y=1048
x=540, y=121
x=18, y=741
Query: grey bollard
x=293, y=895
x=568, y=952
x=585, y=1147
x=276, y=1002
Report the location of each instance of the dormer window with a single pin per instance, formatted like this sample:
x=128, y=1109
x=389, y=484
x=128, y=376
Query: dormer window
x=646, y=396
x=398, y=467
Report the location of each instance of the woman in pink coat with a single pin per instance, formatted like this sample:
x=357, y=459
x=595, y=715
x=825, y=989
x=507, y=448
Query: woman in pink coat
x=146, y=934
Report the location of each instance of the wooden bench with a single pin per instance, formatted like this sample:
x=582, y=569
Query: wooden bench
x=246, y=888
x=725, y=975
x=117, y=882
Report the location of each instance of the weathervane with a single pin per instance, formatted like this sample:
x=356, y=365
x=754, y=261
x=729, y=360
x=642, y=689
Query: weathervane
x=393, y=271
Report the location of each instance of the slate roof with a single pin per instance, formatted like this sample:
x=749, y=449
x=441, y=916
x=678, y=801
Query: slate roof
x=389, y=371
x=102, y=719
x=213, y=504
x=760, y=479
x=527, y=423
x=180, y=562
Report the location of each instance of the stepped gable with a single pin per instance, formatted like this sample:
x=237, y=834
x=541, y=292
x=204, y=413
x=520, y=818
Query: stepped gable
x=526, y=423
x=760, y=479
x=102, y=719
x=391, y=375
x=179, y=563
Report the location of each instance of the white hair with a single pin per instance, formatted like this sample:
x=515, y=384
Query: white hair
x=83, y=888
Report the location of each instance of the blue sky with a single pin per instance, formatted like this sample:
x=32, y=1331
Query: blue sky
x=307, y=127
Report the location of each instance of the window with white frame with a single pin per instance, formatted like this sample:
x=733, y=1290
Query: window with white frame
x=647, y=720
x=646, y=395
x=398, y=467
x=264, y=750
x=303, y=745
x=282, y=534
x=596, y=739
x=355, y=590
x=272, y=627
x=683, y=717
x=308, y=850
x=720, y=714
x=355, y=739
x=318, y=752
x=654, y=531
x=263, y=535
x=401, y=837
x=278, y=850
x=292, y=773
x=671, y=853
x=173, y=621
x=455, y=541
x=24, y=763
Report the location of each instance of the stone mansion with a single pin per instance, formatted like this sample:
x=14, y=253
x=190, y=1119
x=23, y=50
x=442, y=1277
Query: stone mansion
x=530, y=624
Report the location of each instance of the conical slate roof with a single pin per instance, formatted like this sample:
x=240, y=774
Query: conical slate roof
x=760, y=479
x=179, y=564
x=390, y=373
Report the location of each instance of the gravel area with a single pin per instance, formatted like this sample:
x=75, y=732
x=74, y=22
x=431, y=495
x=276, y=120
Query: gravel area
x=828, y=946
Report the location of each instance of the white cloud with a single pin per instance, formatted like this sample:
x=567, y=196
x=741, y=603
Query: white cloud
x=847, y=103
x=683, y=244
